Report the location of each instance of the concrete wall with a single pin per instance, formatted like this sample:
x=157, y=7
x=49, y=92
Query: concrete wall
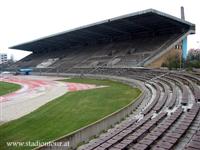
x=84, y=134
x=163, y=59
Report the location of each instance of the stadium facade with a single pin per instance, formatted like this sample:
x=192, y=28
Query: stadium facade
x=142, y=39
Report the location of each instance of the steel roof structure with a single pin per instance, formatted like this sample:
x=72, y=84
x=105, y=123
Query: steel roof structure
x=141, y=23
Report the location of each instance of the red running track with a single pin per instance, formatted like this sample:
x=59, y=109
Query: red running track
x=29, y=85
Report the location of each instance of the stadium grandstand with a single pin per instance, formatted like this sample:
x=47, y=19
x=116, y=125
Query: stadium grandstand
x=141, y=39
x=165, y=116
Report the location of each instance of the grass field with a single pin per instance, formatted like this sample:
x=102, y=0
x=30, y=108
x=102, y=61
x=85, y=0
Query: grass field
x=68, y=113
x=6, y=88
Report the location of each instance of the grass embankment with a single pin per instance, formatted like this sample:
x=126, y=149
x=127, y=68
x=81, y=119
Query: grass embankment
x=68, y=113
x=6, y=87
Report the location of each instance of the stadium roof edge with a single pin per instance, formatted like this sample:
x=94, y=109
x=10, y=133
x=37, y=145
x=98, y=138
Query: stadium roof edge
x=153, y=11
x=110, y=20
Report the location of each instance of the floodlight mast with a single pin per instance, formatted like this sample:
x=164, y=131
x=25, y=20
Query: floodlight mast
x=182, y=13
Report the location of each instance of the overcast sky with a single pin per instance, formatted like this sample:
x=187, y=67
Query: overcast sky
x=25, y=20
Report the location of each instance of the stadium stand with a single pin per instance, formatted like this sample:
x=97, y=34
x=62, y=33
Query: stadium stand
x=118, y=47
x=132, y=40
x=194, y=143
x=47, y=63
x=120, y=54
x=151, y=135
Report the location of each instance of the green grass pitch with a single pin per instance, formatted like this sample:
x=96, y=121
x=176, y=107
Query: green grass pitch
x=6, y=88
x=68, y=113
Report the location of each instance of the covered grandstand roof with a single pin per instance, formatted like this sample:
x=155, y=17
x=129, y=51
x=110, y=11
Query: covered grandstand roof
x=135, y=24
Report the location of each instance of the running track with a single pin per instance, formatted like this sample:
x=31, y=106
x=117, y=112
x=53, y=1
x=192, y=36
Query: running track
x=35, y=92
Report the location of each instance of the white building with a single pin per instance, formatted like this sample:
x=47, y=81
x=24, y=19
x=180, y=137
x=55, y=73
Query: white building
x=3, y=58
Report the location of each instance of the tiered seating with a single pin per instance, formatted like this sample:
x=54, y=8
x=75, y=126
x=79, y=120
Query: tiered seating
x=153, y=126
x=158, y=131
x=154, y=102
x=151, y=133
x=195, y=89
x=162, y=102
x=194, y=144
x=173, y=99
x=110, y=135
x=47, y=63
x=153, y=129
x=174, y=92
x=196, y=92
x=139, y=133
x=108, y=141
x=171, y=138
x=185, y=94
x=184, y=89
x=127, y=53
x=158, y=102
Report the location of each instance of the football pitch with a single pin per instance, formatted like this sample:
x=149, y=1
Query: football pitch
x=6, y=88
